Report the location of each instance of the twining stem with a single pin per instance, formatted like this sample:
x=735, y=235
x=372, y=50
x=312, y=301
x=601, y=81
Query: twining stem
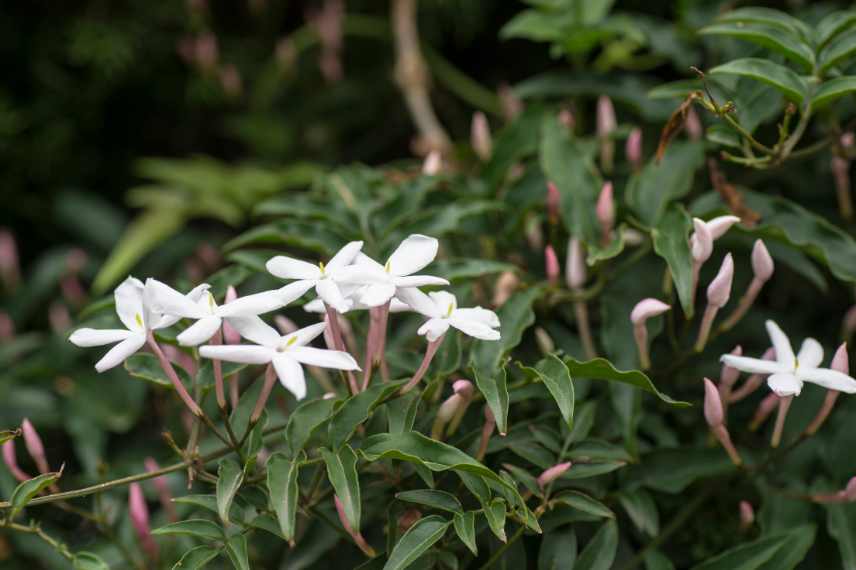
x=380, y=347
x=173, y=377
x=704, y=327
x=270, y=380
x=744, y=305
x=430, y=351
x=218, y=374
x=35, y=529
x=339, y=344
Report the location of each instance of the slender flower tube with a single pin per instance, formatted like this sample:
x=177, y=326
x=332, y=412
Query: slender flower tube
x=784, y=406
x=12, y=462
x=139, y=513
x=554, y=202
x=841, y=175
x=433, y=164
x=487, y=430
x=644, y=310
x=747, y=515
x=727, y=377
x=430, y=351
x=166, y=366
x=762, y=268
x=695, y=131
x=162, y=488
x=633, y=149
x=452, y=411
x=553, y=473
x=845, y=495
x=10, y=271
x=34, y=446
x=754, y=381
x=267, y=387
x=841, y=363
x=544, y=341
x=714, y=415
x=765, y=408
x=718, y=293
x=551, y=264
x=605, y=211
x=606, y=125
x=480, y=138
x=355, y=535
x=575, y=277
x=505, y=287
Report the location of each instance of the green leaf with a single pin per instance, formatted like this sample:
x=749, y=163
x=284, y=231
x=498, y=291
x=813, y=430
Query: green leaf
x=584, y=503
x=602, y=369
x=465, y=527
x=800, y=540
x=6, y=435
x=558, y=550
x=495, y=515
x=416, y=542
x=598, y=253
x=357, y=409
x=282, y=481
x=495, y=391
x=303, y=422
x=200, y=528
x=832, y=24
x=401, y=412
x=229, y=479
x=462, y=269
x=789, y=83
x=236, y=550
x=599, y=553
x=432, y=498
x=146, y=367
x=27, y=491
x=207, y=502
x=832, y=90
x=517, y=140
x=838, y=50
x=671, y=242
x=88, y=561
x=557, y=378
x=767, y=36
x=566, y=165
x=196, y=558
x=342, y=472
x=516, y=315
x=673, y=470
x=748, y=556
x=642, y=510
x=650, y=191
x=769, y=17
x=841, y=524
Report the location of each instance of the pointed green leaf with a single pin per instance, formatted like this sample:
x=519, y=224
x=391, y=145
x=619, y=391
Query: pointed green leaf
x=516, y=316
x=841, y=524
x=88, y=561
x=229, y=479
x=583, y=502
x=303, y=422
x=749, y=555
x=196, y=558
x=599, y=553
x=432, y=498
x=838, y=50
x=833, y=90
x=767, y=36
x=558, y=550
x=602, y=369
x=282, y=481
x=236, y=550
x=27, y=491
x=6, y=435
x=769, y=17
x=650, y=192
x=789, y=83
x=342, y=472
x=200, y=528
x=495, y=391
x=357, y=409
x=557, y=378
x=642, y=510
x=495, y=515
x=671, y=242
x=833, y=24
x=416, y=542
x=465, y=527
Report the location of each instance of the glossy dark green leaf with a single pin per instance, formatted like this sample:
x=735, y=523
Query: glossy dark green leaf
x=748, y=556
x=432, y=498
x=416, y=542
x=833, y=90
x=671, y=242
x=557, y=378
x=650, y=191
x=839, y=50
x=146, y=367
x=357, y=409
x=600, y=551
x=27, y=490
x=463, y=269
x=303, y=422
x=401, y=412
x=602, y=369
x=196, y=558
x=495, y=515
x=465, y=527
x=767, y=36
x=88, y=561
x=769, y=17
x=236, y=550
x=642, y=510
x=282, y=481
x=495, y=392
x=6, y=435
x=833, y=24
x=799, y=542
x=789, y=83
x=230, y=476
x=342, y=472
x=673, y=470
x=585, y=503
x=841, y=524
x=199, y=528
x=558, y=550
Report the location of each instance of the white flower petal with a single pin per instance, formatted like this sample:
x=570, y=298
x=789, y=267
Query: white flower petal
x=359, y=274
x=117, y=355
x=480, y=315
x=97, y=337
x=784, y=384
x=305, y=335
x=418, y=281
x=332, y=295
x=396, y=306
x=315, y=306
x=129, y=303
x=289, y=268
x=290, y=375
x=755, y=365
x=294, y=291
x=810, y=354
x=418, y=301
x=413, y=254
x=323, y=358
x=345, y=256
x=474, y=328
x=363, y=259
x=434, y=328
x=199, y=332
x=784, y=352
x=257, y=303
x=829, y=379
x=199, y=292
x=243, y=353
x=377, y=294
x=166, y=300
x=256, y=330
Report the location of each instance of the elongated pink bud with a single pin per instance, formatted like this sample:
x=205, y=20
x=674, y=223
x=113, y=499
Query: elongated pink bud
x=487, y=431
x=34, y=446
x=747, y=515
x=510, y=103
x=463, y=388
x=647, y=308
x=849, y=321
x=554, y=202
x=544, y=341
x=480, y=138
x=139, y=513
x=553, y=473
x=713, y=413
x=728, y=375
x=605, y=210
x=850, y=490
x=633, y=150
x=719, y=290
x=452, y=410
x=551, y=264
x=12, y=462
x=606, y=124
x=765, y=408
x=701, y=242
x=762, y=263
x=10, y=272
x=719, y=225
x=575, y=265
x=433, y=163
x=284, y=324
x=162, y=487
x=695, y=131
x=230, y=335
x=207, y=51
x=505, y=287
x=841, y=361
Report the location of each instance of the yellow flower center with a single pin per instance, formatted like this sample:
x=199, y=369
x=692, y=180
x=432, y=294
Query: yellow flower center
x=386, y=267
x=288, y=343
x=321, y=267
x=450, y=309
x=211, y=302
x=139, y=319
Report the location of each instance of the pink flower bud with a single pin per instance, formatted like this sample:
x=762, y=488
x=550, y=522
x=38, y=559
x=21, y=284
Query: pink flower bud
x=34, y=446
x=58, y=317
x=695, y=131
x=720, y=225
x=139, y=513
x=701, y=241
x=728, y=375
x=12, y=462
x=605, y=209
x=510, y=103
x=633, y=150
x=10, y=272
x=762, y=263
x=433, y=163
x=841, y=361
x=719, y=289
x=606, y=122
x=566, y=119
x=551, y=263
x=747, y=515
x=849, y=322
x=647, y=308
x=207, y=51
x=554, y=202
x=285, y=53
x=575, y=265
x=445, y=413
x=544, y=341
x=847, y=139
x=480, y=138
x=553, y=473
x=850, y=490
x=162, y=487
x=713, y=412
x=505, y=287
x=463, y=388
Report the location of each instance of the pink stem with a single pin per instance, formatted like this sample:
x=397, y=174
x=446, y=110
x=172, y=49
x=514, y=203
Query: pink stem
x=581, y=314
x=640, y=333
x=430, y=350
x=339, y=343
x=748, y=387
x=371, y=341
x=380, y=348
x=270, y=380
x=704, y=328
x=745, y=304
x=218, y=374
x=166, y=365
x=823, y=413
x=784, y=405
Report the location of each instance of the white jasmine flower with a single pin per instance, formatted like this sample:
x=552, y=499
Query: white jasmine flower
x=788, y=372
x=442, y=309
x=285, y=353
x=209, y=315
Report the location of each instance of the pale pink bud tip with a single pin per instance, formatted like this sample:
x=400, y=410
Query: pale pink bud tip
x=463, y=388
x=850, y=489
x=713, y=414
x=634, y=147
x=480, y=138
x=747, y=514
x=575, y=266
x=553, y=473
x=841, y=362
x=719, y=290
x=721, y=224
x=34, y=446
x=605, y=116
x=605, y=209
x=693, y=125
x=701, y=242
x=433, y=163
x=647, y=308
x=762, y=263
x=554, y=201
x=12, y=462
x=729, y=375
x=551, y=263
